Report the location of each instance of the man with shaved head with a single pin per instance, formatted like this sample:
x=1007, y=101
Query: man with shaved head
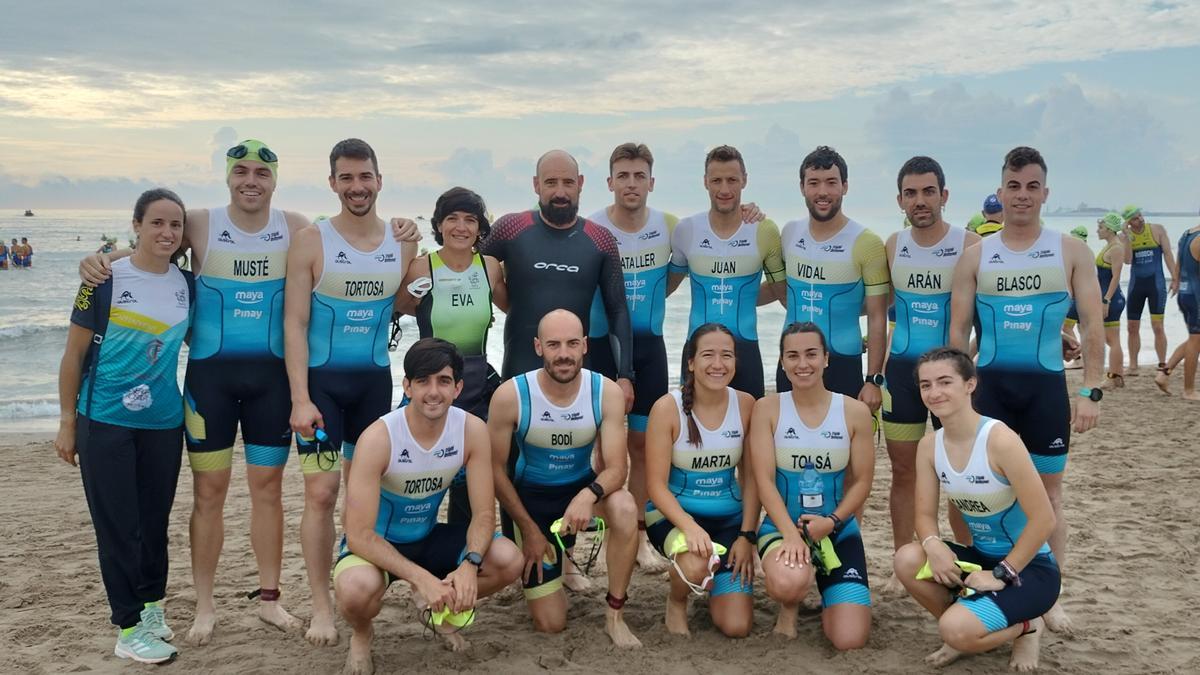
x=555, y=415
x=555, y=259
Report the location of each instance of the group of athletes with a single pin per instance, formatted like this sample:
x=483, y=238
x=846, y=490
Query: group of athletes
x=288, y=322
x=21, y=254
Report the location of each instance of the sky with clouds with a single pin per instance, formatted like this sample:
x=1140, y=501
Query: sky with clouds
x=100, y=100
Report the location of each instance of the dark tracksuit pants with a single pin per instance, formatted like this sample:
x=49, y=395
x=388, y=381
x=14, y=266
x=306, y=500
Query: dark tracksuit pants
x=129, y=477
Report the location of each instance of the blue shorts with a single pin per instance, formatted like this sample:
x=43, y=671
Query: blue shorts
x=649, y=367
x=1152, y=290
x=904, y=413
x=1191, y=312
x=1036, y=406
x=545, y=504
x=843, y=375
x=219, y=395
x=997, y=610
x=440, y=552
x=847, y=584
x=1112, y=315
x=349, y=402
x=723, y=531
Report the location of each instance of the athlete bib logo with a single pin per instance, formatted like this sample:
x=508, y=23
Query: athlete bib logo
x=138, y=398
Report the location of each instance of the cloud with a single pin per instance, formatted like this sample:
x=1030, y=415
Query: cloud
x=1095, y=142
x=227, y=60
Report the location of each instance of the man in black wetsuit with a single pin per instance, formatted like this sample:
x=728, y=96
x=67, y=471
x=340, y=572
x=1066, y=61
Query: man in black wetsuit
x=554, y=259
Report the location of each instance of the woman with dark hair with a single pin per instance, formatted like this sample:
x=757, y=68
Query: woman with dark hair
x=996, y=589
x=451, y=292
x=814, y=457
x=122, y=418
x=701, y=493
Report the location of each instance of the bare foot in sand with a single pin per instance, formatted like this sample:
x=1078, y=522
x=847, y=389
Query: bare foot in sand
x=812, y=600
x=1131, y=371
x=1025, y=649
x=649, y=560
x=575, y=580
x=943, y=657
x=201, y=631
x=677, y=623
x=785, y=623
x=359, y=661
x=893, y=588
x=1058, y=621
x=454, y=641
x=614, y=625
x=321, y=631
x=1163, y=381
x=1191, y=396
x=273, y=614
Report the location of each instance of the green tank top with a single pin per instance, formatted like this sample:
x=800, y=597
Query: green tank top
x=459, y=306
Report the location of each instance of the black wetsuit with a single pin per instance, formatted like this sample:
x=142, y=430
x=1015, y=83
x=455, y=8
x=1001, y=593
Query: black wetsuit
x=547, y=268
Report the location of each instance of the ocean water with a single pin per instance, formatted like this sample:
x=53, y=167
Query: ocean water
x=35, y=308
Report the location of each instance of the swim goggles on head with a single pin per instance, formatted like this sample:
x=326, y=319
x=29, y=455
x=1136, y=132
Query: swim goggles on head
x=598, y=526
x=241, y=150
x=677, y=543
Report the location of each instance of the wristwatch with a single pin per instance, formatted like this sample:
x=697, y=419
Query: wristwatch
x=1093, y=393
x=1005, y=572
x=876, y=379
x=749, y=535
x=1104, y=301
x=474, y=558
x=597, y=489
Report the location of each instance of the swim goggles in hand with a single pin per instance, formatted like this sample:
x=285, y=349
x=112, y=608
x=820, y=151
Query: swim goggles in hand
x=822, y=553
x=598, y=526
x=965, y=568
x=677, y=543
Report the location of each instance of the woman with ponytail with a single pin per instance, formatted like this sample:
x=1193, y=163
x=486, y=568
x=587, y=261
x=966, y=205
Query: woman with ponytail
x=703, y=509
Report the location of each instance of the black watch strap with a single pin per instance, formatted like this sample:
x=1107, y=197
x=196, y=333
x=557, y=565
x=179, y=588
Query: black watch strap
x=749, y=535
x=474, y=558
x=597, y=489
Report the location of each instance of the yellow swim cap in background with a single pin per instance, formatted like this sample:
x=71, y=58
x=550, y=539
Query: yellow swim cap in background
x=1112, y=221
x=253, y=150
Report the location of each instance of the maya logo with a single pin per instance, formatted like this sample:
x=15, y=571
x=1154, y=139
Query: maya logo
x=1018, y=310
x=249, y=297
x=709, y=482
x=418, y=508
x=923, y=307
x=360, y=314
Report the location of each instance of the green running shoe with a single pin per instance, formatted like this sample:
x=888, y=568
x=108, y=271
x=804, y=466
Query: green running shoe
x=154, y=619
x=143, y=646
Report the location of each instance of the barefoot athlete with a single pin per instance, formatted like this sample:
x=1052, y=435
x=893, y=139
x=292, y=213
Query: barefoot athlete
x=1147, y=246
x=644, y=241
x=1020, y=283
x=1185, y=280
x=403, y=464
x=1109, y=263
x=921, y=261
x=122, y=417
x=702, y=494
x=989, y=476
x=342, y=277
x=811, y=427
x=555, y=416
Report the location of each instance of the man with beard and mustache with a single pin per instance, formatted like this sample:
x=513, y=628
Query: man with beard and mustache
x=921, y=260
x=342, y=278
x=833, y=263
x=726, y=256
x=554, y=259
x=554, y=416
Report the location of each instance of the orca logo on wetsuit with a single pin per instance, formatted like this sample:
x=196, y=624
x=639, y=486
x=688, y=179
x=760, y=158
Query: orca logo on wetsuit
x=555, y=266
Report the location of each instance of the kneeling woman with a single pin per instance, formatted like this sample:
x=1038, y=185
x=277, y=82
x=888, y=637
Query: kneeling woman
x=811, y=426
x=988, y=474
x=123, y=415
x=699, y=487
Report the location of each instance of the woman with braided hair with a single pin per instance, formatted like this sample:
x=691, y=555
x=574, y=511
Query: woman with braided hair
x=703, y=509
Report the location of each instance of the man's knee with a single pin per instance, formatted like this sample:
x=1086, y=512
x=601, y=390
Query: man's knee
x=505, y=558
x=908, y=559
x=734, y=624
x=621, y=511
x=357, y=591
x=960, y=630
x=209, y=489
x=321, y=492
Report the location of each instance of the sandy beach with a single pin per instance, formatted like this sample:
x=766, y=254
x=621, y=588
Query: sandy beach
x=1131, y=486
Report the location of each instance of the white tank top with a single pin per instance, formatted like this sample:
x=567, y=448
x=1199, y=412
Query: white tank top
x=417, y=477
x=702, y=476
x=556, y=443
x=827, y=446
